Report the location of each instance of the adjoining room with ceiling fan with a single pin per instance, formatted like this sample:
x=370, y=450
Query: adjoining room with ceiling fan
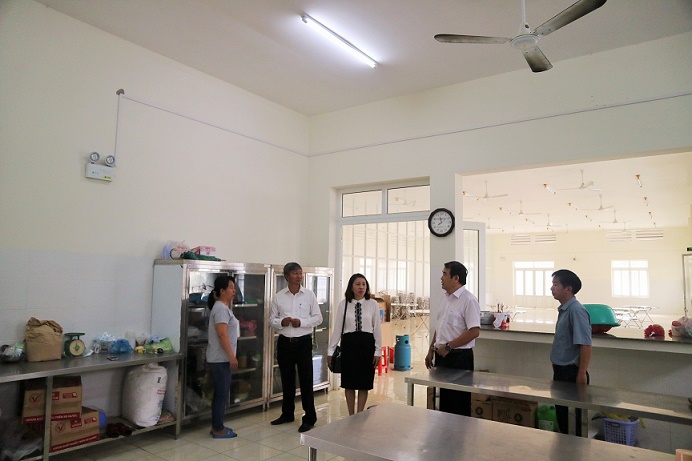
x=589, y=217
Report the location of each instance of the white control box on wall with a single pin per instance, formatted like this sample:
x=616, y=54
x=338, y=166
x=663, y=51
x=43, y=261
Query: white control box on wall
x=102, y=172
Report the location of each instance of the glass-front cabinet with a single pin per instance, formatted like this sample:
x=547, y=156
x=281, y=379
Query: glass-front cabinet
x=321, y=282
x=687, y=278
x=179, y=311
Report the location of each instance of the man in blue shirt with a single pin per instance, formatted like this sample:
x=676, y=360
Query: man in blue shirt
x=571, y=351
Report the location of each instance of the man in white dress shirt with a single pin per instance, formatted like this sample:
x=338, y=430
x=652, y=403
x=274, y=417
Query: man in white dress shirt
x=294, y=314
x=458, y=325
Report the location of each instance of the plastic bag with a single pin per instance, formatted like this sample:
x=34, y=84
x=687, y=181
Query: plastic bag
x=682, y=327
x=164, y=345
x=120, y=346
x=17, y=442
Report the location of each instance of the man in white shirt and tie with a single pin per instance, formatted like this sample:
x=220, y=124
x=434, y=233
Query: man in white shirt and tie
x=457, y=327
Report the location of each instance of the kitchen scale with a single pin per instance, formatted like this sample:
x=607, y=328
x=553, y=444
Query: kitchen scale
x=74, y=347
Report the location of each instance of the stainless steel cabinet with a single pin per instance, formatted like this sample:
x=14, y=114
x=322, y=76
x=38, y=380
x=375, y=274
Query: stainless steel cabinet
x=179, y=311
x=321, y=281
x=687, y=278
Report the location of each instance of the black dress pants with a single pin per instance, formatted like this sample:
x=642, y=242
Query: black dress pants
x=568, y=374
x=457, y=402
x=296, y=354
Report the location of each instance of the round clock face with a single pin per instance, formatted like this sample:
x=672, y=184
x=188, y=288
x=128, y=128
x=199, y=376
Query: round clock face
x=441, y=222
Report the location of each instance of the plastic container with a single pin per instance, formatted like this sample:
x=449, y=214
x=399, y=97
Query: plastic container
x=547, y=418
x=402, y=353
x=622, y=432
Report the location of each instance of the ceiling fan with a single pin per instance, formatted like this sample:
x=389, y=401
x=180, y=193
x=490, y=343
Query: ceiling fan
x=518, y=213
x=615, y=220
x=601, y=207
x=583, y=186
x=549, y=225
x=527, y=40
x=484, y=197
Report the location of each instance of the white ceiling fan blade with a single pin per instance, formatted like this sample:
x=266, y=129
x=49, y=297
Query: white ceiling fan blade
x=494, y=196
x=536, y=59
x=454, y=38
x=570, y=14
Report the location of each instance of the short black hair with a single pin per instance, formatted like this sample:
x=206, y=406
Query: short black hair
x=458, y=269
x=568, y=278
x=290, y=267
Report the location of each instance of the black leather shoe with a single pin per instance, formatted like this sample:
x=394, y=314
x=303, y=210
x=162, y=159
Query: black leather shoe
x=282, y=419
x=305, y=427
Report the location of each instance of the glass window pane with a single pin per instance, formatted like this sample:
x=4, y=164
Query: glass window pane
x=361, y=203
x=529, y=283
x=519, y=285
x=408, y=199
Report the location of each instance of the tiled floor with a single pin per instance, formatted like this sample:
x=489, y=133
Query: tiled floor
x=257, y=439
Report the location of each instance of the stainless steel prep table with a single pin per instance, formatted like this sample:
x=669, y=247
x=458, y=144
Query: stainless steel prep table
x=405, y=433
x=669, y=408
x=14, y=372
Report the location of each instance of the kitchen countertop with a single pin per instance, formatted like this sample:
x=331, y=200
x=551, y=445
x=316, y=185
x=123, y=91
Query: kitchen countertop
x=616, y=338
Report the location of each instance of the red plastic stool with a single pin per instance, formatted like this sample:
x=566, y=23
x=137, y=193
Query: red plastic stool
x=384, y=362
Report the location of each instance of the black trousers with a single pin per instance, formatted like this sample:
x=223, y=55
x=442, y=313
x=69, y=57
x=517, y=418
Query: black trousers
x=296, y=354
x=457, y=402
x=568, y=374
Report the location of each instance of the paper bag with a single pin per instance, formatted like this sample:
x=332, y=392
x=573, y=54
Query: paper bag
x=43, y=340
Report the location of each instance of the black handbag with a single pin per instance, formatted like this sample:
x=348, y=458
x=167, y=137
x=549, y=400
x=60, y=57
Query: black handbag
x=335, y=365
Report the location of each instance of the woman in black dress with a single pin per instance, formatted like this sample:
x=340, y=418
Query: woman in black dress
x=361, y=342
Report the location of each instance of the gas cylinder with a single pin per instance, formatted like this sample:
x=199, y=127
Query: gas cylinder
x=402, y=353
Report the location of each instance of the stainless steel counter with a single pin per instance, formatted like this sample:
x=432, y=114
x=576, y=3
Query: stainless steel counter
x=10, y=372
x=616, y=338
x=13, y=372
x=669, y=408
x=405, y=433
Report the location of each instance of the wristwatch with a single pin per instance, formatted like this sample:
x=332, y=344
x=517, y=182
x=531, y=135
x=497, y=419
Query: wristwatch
x=433, y=347
x=448, y=348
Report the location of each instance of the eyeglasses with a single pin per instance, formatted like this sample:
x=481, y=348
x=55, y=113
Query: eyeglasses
x=359, y=317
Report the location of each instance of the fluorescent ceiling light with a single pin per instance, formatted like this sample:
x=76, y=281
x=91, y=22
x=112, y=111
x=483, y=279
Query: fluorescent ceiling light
x=336, y=38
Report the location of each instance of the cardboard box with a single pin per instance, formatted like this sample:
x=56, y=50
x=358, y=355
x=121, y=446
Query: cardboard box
x=385, y=311
x=204, y=250
x=514, y=411
x=431, y=398
x=66, y=399
x=72, y=432
x=481, y=406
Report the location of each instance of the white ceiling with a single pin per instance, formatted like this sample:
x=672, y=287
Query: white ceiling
x=666, y=182
x=263, y=47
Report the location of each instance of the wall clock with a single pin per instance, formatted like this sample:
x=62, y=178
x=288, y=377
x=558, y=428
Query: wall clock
x=441, y=222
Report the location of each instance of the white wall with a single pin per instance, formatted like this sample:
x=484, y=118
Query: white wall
x=589, y=254
x=608, y=105
x=81, y=251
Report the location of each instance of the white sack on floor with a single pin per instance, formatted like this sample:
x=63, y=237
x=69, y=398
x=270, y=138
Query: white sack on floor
x=143, y=393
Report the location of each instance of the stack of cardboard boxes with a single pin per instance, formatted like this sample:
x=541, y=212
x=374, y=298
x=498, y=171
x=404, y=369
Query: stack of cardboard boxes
x=70, y=424
x=512, y=411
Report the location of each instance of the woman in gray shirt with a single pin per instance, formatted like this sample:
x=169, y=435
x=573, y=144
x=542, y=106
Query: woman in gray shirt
x=223, y=339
